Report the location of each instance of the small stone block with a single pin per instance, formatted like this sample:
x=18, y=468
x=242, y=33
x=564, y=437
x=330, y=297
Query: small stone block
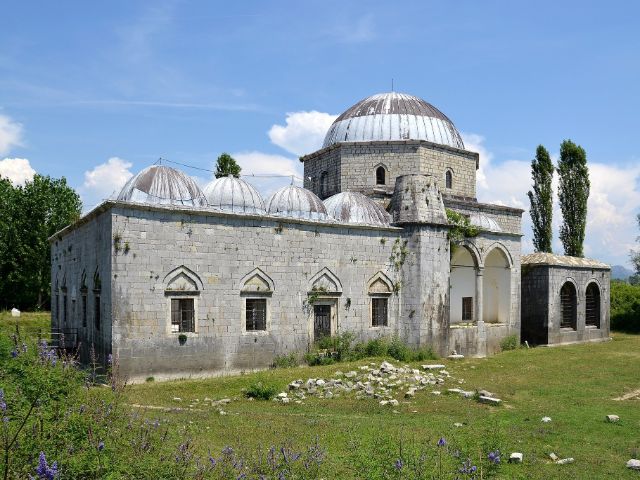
x=565, y=461
x=489, y=400
x=515, y=457
x=455, y=356
x=613, y=418
x=553, y=456
x=633, y=464
x=433, y=367
x=546, y=419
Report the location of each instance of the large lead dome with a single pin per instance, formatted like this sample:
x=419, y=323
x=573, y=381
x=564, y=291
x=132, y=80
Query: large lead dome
x=393, y=116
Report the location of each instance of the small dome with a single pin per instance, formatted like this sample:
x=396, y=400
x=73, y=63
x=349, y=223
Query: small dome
x=354, y=207
x=232, y=194
x=159, y=184
x=297, y=202
x=393, y=116
x=484, y=222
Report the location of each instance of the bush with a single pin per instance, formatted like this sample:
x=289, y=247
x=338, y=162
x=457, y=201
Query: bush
x=377, y=347
x=424, y=353
x=285, y=361
x=509, y=343
x=625, y=307
x=314, y=359
x=261, y=391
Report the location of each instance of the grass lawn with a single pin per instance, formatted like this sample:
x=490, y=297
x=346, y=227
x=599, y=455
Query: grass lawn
x=574, y=385
x=31, y=324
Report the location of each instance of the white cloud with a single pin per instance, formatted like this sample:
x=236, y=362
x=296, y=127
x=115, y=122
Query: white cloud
x=106, y=179
x=613, y=203
x=18, y=170
x=263, y=165
x=10, y=134
x=303, y=132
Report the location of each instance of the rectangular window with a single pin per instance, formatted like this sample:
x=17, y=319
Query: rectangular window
x=256, y=314
x=84, y=311
x=467, y=309
x=379, y=312
x=182, y=315
x=96, y=311
x=64, y=309
x=58, y=307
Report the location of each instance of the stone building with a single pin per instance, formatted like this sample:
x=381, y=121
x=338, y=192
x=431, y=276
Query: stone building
x=564, y=299
x=177, y=281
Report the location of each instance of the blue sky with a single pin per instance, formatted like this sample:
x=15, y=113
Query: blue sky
x=96, y=91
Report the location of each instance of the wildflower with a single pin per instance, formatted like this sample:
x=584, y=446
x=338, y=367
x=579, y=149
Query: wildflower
x=110, y=359
x=44, y=471
x=442, y=442
x=227, y=450
x=14, y=353
x=399, y=464
x=100, y=446
x=212, y=460
x=494, y=457
x=3, y=403
x=467, y=468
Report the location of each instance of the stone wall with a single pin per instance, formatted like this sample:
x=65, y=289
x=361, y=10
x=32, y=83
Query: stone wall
x=544, y=282
x=221, y=250
x=509, y=219
x=79, y=257
x=355, y=164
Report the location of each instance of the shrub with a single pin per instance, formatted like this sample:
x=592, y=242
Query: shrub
x=261, y=391
x=285, y=361
x=625, y=307
x=377, y=347
x=509, y=343
x=424, y=353
x=314, y=359
x=399, y=350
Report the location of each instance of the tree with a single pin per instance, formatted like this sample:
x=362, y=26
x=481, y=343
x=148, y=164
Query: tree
x=635, y=255
x=573, y=193
x=226, y=165
x=30, y=215
x=541, y=199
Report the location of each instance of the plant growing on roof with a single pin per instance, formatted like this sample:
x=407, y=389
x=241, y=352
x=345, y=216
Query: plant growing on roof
x=461, y=228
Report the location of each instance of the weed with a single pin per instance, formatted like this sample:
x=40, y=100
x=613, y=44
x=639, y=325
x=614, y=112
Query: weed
x=261, y=391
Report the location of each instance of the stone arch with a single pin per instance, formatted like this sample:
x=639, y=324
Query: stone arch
x=380, y=284
x=593, y=303
x=503, y=249
x=182, y=279
x=496, y=295
x=97, y=283
x=381, y=172
x=462, y=292
x=256, y=281
x=83, y=281
x=325, y=281
x=568, y=304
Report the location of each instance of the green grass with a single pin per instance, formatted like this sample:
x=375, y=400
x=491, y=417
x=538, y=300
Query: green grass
x=31, y=324
x=574, y=385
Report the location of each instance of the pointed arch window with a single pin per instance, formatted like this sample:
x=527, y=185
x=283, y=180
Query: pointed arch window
x=380, y=289
x=182, y=289
x=381, y=176
x=256, y=290
x=448, y=179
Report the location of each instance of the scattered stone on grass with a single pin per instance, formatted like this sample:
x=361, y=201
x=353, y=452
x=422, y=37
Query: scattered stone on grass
x=433, y=367
x=565, y=461
x=612, y=418
x=554, y=457
x=545, y=419
x=489, y=400
x=515, y=457
x=458, y=424
x=633, y=464
x=177, y=399
x=455, y=356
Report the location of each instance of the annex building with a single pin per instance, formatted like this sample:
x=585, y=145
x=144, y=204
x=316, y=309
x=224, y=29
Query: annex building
x=180, y=281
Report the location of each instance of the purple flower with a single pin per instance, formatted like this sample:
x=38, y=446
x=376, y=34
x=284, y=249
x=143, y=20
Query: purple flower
x=227, y=450
x=399, y=464
x=100, y=446
x=14, y=353
x=110, y=359
x=494, y=457
x=212, y=460
x=44, y=471
x=3, y=403
x=467, y=468
x=442, y=442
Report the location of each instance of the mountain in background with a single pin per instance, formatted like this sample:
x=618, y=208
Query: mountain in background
x=618, y=272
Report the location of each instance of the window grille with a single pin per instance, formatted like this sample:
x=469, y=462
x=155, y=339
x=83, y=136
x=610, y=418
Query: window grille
x=592, y=307
x=467, y=309
x=256, y=314
x=182, y=315
x=568, y=302
x=379, y=312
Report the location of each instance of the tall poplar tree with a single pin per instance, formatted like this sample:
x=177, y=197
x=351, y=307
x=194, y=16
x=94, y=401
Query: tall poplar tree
x=226, y=165
x=541, y=199
x=573, y=193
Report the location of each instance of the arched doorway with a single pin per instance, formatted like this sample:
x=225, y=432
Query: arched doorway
x=463, y=286
x=496, y=297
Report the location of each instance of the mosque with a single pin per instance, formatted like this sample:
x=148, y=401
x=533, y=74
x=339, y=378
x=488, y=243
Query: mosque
x=180, y=281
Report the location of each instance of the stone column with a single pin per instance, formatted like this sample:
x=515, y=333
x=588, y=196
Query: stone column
x=479, y=295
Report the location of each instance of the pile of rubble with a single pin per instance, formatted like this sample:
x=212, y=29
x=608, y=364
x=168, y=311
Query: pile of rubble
x=384, y=382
